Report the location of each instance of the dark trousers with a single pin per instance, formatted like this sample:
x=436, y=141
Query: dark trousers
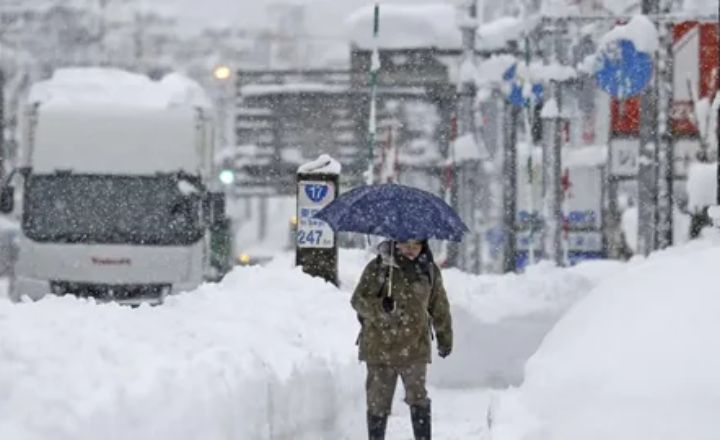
x=381, y=383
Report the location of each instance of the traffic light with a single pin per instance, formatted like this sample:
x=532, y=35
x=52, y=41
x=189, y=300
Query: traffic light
x=227, y=176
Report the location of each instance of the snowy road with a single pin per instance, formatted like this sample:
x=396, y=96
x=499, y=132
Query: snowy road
x=267, y=354
x=457, y=415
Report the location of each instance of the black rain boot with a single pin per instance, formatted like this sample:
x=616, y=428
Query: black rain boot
x=421, y=422
x=376, y=426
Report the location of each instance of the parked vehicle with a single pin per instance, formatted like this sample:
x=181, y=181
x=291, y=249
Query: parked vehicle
x=117, y=183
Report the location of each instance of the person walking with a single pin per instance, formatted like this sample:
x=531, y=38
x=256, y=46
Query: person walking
x=400, y=299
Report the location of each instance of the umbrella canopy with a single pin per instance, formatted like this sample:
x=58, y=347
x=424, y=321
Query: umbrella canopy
x=394, y=211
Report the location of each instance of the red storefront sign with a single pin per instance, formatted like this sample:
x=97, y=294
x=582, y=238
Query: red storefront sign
x=695, y=67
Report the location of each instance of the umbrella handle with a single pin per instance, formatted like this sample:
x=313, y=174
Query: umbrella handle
x=390, y=276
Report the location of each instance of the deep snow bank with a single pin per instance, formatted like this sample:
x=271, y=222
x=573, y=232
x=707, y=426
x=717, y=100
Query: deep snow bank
x=638, y=358
x=265, y=354
x=500, y=321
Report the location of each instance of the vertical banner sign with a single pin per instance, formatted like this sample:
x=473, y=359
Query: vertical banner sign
x=312, y=197
x=316, y=247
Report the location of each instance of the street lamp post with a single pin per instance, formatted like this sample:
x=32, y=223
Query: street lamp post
x=223, y=75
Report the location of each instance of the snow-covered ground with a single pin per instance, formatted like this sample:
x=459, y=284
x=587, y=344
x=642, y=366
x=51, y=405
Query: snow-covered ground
x=458, y=414
x=636, y=359
x=269, y=354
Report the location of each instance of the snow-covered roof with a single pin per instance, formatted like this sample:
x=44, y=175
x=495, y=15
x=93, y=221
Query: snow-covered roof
x=426, y=25
x=322, y=165
x=406, y=27
x=496, y=34
x=95, y=87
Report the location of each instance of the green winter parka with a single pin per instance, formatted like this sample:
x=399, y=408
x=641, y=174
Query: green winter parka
x=401, y=337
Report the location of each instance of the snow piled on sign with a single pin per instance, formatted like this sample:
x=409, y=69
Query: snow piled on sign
x=636, y=359
x=491, y=70
x=640, y=30
x=77, y=87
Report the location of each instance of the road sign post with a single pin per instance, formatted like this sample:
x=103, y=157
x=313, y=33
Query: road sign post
x=316, y=247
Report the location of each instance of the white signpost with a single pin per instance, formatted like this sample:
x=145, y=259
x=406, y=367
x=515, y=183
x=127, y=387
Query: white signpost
x=316, y=249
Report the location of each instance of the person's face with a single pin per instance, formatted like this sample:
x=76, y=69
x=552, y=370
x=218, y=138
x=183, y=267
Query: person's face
x=410, y=249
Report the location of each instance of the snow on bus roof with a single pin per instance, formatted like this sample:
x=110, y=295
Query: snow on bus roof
x=78, y=87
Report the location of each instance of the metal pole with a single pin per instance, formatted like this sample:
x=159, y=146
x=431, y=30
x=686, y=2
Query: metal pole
x=527, y=116
x=2, y=124
x=648, y=158
x=372, y=122
x=457, y=253
x=510, y=188
x=666, y=201
x=717, y=126
x=555, y=213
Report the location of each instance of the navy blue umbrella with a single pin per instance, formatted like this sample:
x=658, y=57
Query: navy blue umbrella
x=394, y=211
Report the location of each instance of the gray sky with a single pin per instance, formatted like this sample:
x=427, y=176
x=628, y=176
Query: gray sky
x=324, y=17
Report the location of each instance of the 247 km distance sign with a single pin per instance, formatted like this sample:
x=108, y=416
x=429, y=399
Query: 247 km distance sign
x=312, y=197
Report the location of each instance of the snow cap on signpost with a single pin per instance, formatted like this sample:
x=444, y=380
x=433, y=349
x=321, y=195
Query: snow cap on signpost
x=324, y=164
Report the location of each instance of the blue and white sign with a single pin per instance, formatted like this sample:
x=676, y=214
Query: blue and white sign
x=316, y=192
x=623, y=71
x=312, y=197
x=516, y=95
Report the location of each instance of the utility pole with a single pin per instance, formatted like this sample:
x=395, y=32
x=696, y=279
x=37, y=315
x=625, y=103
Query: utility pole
x=717, y=125
x=553, y=161
x=666, y=181
x=2, y=124
x=649, y=155
x=372, y=120
x=554, y=195
x=467, y=91
x=510, y=124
